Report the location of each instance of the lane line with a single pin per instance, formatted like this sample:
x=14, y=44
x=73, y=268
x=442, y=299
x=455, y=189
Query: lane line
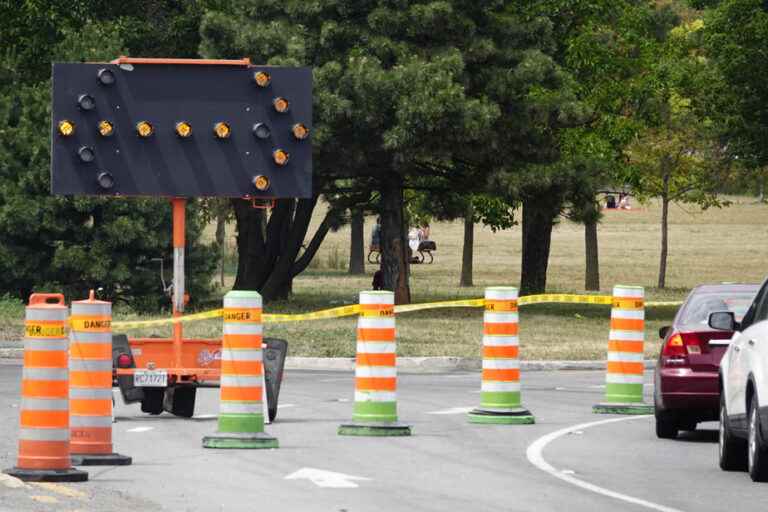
x=535, y=457
x=453, y=410
x=140, y=429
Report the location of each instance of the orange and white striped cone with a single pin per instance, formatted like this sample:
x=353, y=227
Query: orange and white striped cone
x=44, y=434
x=624, y=375
x=241, y=414
x=500, y=392
x=90, y=384
x=375, y=410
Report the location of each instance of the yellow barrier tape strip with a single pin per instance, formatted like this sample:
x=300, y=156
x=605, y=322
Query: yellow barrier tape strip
x=214, y=313
x=551, y=298
x=315, y=315
x=464, y=303
x=354, y=309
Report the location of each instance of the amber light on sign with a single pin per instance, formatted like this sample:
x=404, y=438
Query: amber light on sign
x=300, y=131
x=280, y=157
x=261, y=182
x=105, y=128
x=262, y=78
x=66, y=128
x=222, y=130
x=144, y=129
x=281, y=104
x=183, y=129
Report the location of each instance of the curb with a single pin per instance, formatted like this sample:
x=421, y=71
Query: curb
x=405, y=364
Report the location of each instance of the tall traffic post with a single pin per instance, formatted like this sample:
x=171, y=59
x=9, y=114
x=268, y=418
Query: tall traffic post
x=241, y=414
x=625, y=365
x=500, y=389
x=375, y=409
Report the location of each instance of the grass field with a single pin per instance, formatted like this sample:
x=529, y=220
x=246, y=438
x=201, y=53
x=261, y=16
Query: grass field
x=705, y=246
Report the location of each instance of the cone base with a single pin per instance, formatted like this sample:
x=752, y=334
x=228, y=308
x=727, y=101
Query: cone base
x=512, y=417
x=48, y=475
x=99, y=459
x=258, y=440
x=375, y=429
x=623, y=408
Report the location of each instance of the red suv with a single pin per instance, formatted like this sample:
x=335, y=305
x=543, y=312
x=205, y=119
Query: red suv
x=686, y=378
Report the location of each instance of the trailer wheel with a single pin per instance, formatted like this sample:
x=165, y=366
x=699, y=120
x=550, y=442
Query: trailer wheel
x=152, y=402
x=180, y=401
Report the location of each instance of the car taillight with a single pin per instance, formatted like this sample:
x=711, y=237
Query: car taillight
x=124, y=361
x=679, y=346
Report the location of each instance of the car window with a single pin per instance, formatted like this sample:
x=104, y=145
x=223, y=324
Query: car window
x=750, y=316
x=699, y=307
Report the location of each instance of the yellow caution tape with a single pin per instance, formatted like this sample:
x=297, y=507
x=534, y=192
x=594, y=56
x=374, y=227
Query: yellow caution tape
x=214, y=313
x=354, y=309
x=315, y=315
x=551, y=298
x=464, y=303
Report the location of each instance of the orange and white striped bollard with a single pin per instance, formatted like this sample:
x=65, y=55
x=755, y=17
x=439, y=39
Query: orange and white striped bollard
x=625, y=365
x=500, y=391
x=375, y=409
x=44, y=416
x=90, y=384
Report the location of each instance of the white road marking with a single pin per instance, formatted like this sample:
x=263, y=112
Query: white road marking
x=140, y=429
x=12, y=482
x=285, y=406
x=535, y=457
x=454, y=410
x=323, y=478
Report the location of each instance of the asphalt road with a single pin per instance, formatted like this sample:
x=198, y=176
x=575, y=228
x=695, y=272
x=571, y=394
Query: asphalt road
x=447, y=465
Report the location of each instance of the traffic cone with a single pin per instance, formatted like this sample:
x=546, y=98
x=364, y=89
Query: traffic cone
x=44, y=416
x=500, y=391
x=90, y=385
x=241, y=416
x=375, y=410
x=624, y=375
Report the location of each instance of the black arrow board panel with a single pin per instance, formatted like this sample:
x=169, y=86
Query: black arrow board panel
x=166, y=164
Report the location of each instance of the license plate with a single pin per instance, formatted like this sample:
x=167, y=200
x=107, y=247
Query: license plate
x=150, y=378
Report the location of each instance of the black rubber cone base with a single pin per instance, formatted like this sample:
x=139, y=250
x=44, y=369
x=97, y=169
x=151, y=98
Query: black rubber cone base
x=256, y=440
x=48, y=475
x=98, y=459
x=375, y=429
x=495, y=417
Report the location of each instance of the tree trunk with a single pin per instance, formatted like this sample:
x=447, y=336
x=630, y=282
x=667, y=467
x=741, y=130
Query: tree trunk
x=539, y=213
x=592, y=270
x=664, y=241
x=221, y=221
x=268, y=249
x=469, y=246
x=357, y=243
x=394, y=247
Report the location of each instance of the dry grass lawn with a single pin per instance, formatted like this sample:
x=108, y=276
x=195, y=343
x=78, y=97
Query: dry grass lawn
x=717, y=245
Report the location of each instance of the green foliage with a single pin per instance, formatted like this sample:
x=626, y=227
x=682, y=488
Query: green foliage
x=74, y=244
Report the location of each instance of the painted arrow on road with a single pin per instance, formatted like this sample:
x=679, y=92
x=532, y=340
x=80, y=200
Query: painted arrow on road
x=323, y=478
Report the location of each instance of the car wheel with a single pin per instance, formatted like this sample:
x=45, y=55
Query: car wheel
x=666, y=425
x=757, y=451
x=731, y=450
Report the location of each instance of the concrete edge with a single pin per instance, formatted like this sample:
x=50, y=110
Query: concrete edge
x=404, y=364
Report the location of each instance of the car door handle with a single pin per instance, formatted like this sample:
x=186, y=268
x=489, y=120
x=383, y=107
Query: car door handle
x=751, y=342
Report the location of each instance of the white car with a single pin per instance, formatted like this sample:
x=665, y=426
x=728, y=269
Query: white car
x=743, y=439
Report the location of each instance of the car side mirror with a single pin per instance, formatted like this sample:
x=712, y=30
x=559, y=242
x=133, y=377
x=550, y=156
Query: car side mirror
x=722, y=321
x=664, y=331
